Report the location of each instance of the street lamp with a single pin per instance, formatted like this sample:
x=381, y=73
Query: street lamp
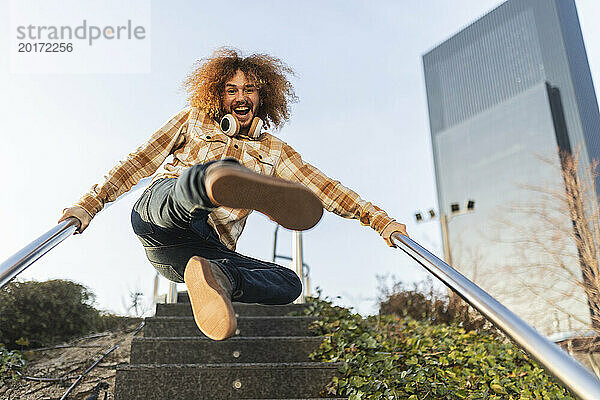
x=444, y=219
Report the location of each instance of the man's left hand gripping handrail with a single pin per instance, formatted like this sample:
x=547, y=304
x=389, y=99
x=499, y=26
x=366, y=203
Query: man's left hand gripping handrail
x=22, y=259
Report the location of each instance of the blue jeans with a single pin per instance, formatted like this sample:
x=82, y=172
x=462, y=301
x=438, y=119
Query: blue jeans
x=170, y=219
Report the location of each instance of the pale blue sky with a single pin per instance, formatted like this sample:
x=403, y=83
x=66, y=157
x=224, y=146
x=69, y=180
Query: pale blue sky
x=361, y=119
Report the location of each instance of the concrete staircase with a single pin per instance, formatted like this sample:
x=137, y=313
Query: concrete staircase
x=266, y=359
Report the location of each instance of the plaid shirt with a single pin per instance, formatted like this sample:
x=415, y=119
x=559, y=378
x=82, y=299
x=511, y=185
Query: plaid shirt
x=192, y=138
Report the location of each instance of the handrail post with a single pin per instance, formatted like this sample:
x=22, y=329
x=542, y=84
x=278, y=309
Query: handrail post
x=556, y=361
x=307, y=291
x=155, y=290
x=297, y=260
x=275, y=242
x=172, y=293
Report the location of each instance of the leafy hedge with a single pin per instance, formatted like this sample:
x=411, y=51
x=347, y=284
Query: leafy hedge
x=390, y=357
x=39, y=313
x=36, y=314
x=424, y=302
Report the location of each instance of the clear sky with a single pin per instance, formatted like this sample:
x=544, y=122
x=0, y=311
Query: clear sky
x=361, y=119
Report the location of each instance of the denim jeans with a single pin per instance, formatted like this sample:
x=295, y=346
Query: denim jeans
x=170, y=219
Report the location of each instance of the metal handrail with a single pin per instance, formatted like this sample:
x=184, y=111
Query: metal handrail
x=18, y=262
x=22, y=259
x=556, y=361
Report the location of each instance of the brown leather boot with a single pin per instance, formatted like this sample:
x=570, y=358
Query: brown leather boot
x=290, y=204
x=210, y=295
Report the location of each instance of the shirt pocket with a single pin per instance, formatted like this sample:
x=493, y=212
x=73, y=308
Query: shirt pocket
x=208, y=146
x=258, y=161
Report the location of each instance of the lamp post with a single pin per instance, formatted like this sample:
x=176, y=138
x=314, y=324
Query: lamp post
x=445, y=240
x=444, y=219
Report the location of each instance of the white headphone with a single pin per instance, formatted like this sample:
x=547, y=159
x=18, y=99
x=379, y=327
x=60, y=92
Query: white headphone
x=231, y=126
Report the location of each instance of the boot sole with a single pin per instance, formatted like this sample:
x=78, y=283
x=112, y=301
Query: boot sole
x=290, y=204
x=212, y=309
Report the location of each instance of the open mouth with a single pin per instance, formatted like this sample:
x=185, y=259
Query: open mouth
x=241, y=110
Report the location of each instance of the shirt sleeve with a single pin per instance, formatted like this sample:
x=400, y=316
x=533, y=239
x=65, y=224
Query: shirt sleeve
x=141, y=163
x=335, y=197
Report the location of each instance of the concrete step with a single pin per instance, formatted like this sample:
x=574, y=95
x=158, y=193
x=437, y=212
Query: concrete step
x=201, y=350
x=247, y=326
x=223, y=381
x=183, y=297
x=242, y=309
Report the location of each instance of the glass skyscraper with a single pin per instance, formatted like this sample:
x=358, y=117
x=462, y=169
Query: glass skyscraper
x=503, y=95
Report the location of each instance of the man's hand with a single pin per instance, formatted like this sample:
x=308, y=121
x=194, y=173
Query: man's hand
x=393, y=227
x=79, y=213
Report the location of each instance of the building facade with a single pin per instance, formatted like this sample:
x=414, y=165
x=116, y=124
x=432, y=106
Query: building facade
x=504, y=94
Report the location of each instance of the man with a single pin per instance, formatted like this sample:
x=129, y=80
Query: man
x=224, y=166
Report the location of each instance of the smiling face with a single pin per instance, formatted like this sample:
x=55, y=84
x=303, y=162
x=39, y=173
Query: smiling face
x=241, y=99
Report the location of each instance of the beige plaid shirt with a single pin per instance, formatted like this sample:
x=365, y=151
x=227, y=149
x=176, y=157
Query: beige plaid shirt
x=192, y=137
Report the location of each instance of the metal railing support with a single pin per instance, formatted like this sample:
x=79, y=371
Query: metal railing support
x=556, y=361
x=297, y=260
x=306, y=276
x=302, y=269
x=172, y=293
x=275, y=242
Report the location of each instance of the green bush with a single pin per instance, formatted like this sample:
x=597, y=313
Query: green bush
x=423, y=302
x=35, y=314
x=390, y=357
x=11, y=363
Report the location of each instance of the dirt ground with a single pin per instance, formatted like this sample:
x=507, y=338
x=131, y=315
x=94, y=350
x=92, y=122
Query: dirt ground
x=63, y=364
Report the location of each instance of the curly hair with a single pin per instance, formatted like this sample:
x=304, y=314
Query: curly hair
x=206, y=83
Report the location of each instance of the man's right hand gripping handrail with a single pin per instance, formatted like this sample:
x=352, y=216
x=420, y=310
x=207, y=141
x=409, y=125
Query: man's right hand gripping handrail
x=557, y=362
